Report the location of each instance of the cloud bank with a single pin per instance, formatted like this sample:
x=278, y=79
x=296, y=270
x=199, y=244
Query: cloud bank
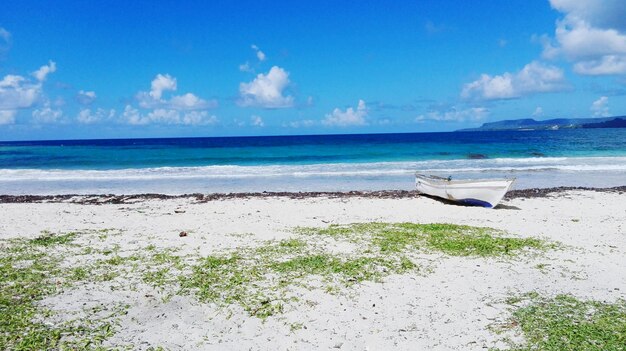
x=18, y=92
x=163, y=83
x=592, y=35
x=167, y=116
x=349, y=117
x=455, y=115
x=535, y=77
x=600, y=107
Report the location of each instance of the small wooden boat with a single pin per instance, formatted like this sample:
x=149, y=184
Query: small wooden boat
x=476, y=192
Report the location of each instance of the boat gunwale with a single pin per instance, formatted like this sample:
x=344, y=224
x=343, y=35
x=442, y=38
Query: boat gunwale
x=440, y=180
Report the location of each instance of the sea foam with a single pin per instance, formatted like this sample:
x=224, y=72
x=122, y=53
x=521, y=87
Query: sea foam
x=499, y=165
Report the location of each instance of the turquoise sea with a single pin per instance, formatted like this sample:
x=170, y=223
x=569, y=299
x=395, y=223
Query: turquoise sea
x=576, y=157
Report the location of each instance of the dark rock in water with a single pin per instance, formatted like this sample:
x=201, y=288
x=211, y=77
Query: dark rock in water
x=538, y=154
x=476, y=156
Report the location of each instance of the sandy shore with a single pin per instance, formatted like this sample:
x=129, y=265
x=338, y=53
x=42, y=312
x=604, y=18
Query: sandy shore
x=453, y=304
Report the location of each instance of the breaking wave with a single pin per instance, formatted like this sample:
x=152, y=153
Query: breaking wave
x=492, y=166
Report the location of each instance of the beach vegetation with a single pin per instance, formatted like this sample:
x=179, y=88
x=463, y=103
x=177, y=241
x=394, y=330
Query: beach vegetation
x=167, y=257
x=543, y=267
x=293, y=327
x=260, y=279
x=450, y=239
x=158, y=277
x=31, y=270
x=79, y=273
x=263, y=279
x=567, y=323
x=47, y=239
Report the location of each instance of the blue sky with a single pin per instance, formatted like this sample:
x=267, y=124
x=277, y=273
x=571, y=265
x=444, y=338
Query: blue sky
x=115, y=69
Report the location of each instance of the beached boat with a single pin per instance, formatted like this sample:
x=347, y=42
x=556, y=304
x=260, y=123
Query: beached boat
x=477, y=192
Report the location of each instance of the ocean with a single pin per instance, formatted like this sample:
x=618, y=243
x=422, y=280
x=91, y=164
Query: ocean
x=576, y=157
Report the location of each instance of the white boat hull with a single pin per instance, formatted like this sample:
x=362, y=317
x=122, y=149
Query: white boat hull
x=479, y=192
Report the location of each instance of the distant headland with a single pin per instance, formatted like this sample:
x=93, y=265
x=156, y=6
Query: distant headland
x=551, y=124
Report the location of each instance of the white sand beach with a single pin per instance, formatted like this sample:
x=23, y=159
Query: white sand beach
x=452, y=303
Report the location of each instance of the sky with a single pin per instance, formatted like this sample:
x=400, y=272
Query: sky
x=135, y=69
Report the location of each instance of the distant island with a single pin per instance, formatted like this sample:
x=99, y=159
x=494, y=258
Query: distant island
x=551, y=124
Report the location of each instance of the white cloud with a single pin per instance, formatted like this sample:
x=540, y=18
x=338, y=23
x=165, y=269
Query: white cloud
x=538, y=112
x=87, y=116
x=600, y=107
x=592, y=36
x=187, y=102
x=146, y=101
x=161, y=83
x=167, y=116
x=606, y=65
x=257, y=121
x=197, y=118
x=306, y=123
x=131, y=115
x=535, y=77
x=178, y=110
x=7, y=116
x=599, y=13
x=42, y=73
x=266, y=90
x=349, y=117
x=259, y=54
x=161, y=115
x=18, y=92
x=86, y=97
x=245, y=67
x=47, y=114
x=452, y=114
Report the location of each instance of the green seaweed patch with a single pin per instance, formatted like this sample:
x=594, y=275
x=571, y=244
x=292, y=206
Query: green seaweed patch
x=163, y=268
x=567, y=323
x=31, y=271
x=47, y=239
x=451, y=239
x=260, y=279
x=357, y=269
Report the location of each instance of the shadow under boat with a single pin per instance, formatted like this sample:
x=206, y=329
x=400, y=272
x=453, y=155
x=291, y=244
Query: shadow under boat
x=461, y=204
